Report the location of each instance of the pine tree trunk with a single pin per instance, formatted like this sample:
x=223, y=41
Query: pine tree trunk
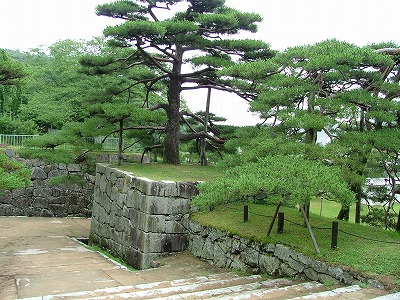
x=358, y=191
x=172, y=140
x=120, y=141
x=344, y=214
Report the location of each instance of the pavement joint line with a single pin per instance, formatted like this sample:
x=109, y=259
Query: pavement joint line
x=331, y=293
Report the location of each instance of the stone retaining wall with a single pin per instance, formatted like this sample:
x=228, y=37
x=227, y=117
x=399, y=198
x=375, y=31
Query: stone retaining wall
x=226, y=250
x=44, y=200
x=138, y=219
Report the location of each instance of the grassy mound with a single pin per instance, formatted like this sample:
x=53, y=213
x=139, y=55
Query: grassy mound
x=371, y=250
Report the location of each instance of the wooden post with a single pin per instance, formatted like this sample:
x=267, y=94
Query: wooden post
x=309, y=229
x=273, y=218
x=245, y=213
x=335, y=230
x=281, y=221
x=203, y=158
x=398, y=223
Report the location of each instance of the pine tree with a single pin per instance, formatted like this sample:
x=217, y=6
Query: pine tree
x=194, y=36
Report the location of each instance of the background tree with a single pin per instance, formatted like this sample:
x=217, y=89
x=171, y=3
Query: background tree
x=194, y=36
x=11, y=74
x=12, y=174
x=56, y=90
x=11, y=71
x=328, y=87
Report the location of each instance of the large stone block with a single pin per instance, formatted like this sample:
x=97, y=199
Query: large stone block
x=42, y=192
x=282, y=252
x=146, y=222
x=220, y=256
x=175, y=243
x=269, y=264
x=311, y=274
x=286, y=271
x=145, y=260
x=56, y=173
x=11, y=153
x=62, y=166
x=58, y=210
x=20, y=202
x=6, y=197
x=132, y=198
x=295, y=265
x=17, y=193
x=131, y=257
x=40, y=202
x=250, y=257
x=318, y=266
x=134, y=238
x=166, y=206
x=74, y=168
x=207, y=251
x=173, y=226
x=38, y=173
x=168, y=189
x=150, y=242
x=10, y=210
x=238, y=265
x=196, y=244
x=49, y=168
x=187, y=190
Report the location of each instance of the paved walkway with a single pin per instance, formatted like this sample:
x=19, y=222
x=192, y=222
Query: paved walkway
x=40, y=256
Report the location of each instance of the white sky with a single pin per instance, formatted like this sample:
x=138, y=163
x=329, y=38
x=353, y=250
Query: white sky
x=26, y=24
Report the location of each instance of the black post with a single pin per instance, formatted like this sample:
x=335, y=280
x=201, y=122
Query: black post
x=398, y=223
x=335, y=230
x=274, y=218
x=245, y=213
x=281, y=221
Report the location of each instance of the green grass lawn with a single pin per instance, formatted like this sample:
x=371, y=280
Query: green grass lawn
x=172, y=172
x=330, y=209
x=359, y=252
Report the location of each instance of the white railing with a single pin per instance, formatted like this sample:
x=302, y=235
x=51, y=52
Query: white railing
x=17, y=140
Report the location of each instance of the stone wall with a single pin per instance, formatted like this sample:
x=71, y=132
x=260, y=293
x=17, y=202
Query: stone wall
x=127, y=158
x=226, y=250
x=42, y=199
x=138, y=219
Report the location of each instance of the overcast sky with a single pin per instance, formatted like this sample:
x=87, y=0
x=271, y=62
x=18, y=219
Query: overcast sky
x=26, y=24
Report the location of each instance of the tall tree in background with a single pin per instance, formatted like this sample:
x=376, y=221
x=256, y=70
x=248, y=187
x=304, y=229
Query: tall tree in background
x=195, y=37
x=332, y=87
x=56, y=90
x=11, y=73
x=12, y=174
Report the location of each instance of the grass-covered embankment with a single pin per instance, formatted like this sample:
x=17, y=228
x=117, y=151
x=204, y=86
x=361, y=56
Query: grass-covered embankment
x=367, y=249
x=373, y=251
x=156, y=171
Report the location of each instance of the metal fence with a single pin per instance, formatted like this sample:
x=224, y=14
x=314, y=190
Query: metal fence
x=17, y=140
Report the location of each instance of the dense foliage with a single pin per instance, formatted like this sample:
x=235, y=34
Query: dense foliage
x=277, y=178
x=332, y=89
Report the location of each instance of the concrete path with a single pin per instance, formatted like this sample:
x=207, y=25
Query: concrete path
x=40, y=258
